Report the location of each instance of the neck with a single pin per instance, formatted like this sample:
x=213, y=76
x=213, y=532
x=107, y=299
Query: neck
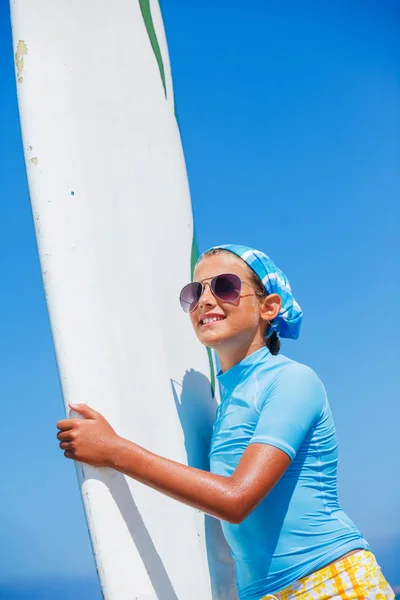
x=229, y=357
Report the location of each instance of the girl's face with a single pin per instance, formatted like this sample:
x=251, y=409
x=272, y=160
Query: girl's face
x=241, y=324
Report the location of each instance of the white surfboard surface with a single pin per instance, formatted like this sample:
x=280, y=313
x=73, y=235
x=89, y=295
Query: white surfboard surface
x=112, y=213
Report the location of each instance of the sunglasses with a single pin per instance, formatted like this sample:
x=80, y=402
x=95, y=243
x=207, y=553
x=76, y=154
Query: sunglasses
x=226, y=287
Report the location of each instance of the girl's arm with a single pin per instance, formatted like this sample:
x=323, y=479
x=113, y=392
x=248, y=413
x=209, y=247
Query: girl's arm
x=232, y=499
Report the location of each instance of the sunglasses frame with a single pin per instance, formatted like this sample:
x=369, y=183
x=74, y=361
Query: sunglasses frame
x=213, y=279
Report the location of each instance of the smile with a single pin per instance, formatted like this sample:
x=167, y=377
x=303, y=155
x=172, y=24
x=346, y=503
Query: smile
x=209, y=320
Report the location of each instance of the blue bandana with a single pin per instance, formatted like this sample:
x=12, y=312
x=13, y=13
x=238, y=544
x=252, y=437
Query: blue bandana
x=287, y=323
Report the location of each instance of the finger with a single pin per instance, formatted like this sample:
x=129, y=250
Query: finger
x=65, y=446
x=68, y=454
x=65, y=436
x=84, y=410
x=66, y=424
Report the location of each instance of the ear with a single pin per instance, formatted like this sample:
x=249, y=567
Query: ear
x=270, y=307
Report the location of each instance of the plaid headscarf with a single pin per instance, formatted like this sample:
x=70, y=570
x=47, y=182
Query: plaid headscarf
x=287, y=323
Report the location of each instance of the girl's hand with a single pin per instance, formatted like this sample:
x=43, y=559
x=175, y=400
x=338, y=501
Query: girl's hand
x=91, y=440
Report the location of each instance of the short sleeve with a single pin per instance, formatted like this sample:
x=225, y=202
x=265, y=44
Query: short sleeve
x=291, y=406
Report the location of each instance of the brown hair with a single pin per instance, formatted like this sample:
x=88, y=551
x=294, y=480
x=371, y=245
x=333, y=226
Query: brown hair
x=272, y=342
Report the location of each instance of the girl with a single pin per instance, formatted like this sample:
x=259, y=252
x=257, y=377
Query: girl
x=273, y=456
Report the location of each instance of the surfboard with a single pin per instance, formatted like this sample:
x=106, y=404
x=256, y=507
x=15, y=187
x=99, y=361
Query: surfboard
x=113, y=221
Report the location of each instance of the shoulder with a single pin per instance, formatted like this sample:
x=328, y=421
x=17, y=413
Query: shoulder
x=297, y=380
x=286, y=368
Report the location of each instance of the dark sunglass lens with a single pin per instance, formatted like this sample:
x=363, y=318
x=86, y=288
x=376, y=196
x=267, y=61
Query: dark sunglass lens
x=190, y=296
x=227, y=287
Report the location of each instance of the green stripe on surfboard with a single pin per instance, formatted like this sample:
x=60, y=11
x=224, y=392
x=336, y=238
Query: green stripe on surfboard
x=151, y=32
x=212, y=372
x=194, y=256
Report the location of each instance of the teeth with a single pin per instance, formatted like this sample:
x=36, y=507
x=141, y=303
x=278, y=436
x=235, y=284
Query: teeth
x=210, y=320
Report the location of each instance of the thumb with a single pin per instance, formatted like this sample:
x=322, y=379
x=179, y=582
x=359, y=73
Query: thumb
x=84, y=410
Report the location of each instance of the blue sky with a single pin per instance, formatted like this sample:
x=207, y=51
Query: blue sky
x=290, y=118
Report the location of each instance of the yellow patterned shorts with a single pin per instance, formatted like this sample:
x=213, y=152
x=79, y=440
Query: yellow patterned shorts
x=356, y=577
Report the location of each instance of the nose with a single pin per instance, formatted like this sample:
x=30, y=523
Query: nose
x=207, y=297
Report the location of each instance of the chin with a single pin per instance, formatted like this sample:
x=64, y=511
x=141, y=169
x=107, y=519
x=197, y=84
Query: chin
x=214, y=340
x=211, y=341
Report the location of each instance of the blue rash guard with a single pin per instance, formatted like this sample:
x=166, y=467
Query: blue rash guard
x=299, y=526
